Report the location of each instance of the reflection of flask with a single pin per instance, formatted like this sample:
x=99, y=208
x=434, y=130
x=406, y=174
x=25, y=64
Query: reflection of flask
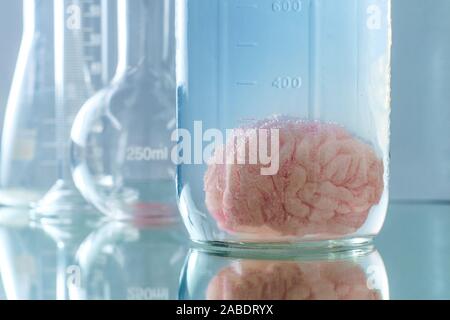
x=346, y=276
x=66, y=236
x=133, y=118
x=28, y=130
x=126, y=261
x=26, y=257
x=2, y=292
x=17, y=267
x=37, y=258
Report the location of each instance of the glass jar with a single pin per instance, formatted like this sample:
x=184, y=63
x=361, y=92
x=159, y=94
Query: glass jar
x=283, y=120
x=350, y=275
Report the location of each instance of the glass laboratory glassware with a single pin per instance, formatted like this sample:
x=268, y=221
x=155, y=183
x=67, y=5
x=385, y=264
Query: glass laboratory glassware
x=348, y=275
x=81, y=65
x=79, y=55
x=283, y=116
x=131, y=260
x=27, y=158
x=134, y=117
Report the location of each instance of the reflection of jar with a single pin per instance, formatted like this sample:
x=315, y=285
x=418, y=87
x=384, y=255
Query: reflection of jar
x=347, y=276
x=283, y=114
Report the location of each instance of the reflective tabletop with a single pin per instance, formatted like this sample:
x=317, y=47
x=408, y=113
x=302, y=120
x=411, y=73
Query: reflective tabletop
x=90, y=258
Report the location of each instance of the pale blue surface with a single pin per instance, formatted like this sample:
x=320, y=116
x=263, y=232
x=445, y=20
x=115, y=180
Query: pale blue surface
x=415, y=246
x=121, y=261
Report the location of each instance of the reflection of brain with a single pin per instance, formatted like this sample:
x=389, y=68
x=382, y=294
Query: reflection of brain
x=266, y=280
x=326, y=184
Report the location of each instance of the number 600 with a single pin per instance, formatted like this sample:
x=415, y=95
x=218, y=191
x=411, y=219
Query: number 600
x=287, y=6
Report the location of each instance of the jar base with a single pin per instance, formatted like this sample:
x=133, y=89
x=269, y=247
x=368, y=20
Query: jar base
x=356, y=245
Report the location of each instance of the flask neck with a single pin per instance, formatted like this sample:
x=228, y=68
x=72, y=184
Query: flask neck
x=146, y=34
x=37, y=16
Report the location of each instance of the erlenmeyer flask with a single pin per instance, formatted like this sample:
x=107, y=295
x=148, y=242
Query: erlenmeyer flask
x=134, y=117
x=64, y=59
x=27, y=155
x=72, y=89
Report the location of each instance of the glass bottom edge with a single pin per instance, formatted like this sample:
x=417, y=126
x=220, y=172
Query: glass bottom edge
x=351, y=246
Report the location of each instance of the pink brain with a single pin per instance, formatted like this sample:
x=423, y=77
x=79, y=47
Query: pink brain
x=326, y=184
x=268, y=280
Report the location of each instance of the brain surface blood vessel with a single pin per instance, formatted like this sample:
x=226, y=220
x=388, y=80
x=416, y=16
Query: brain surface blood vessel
x=328, y=181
